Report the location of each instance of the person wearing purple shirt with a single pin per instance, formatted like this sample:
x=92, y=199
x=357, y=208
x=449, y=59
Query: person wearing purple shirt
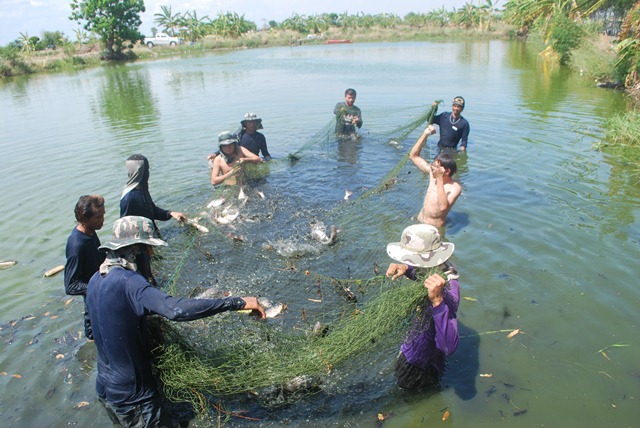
x=433, y=334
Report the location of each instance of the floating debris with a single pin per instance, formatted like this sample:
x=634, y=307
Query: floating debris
x=513, y=333
x=446, y=415
x=6, y=264
x=54, y=271
x=486, y=374
x=471, y=299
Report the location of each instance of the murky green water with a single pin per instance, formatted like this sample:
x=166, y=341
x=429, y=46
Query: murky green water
x=546, y=232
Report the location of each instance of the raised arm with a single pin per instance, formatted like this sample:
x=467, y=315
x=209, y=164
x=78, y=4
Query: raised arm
x=414, y=154
x=445, y=306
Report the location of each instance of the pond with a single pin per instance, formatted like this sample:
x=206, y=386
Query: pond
x=545, y=230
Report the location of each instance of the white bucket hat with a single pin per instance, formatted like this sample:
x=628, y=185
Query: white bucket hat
x=420, y=246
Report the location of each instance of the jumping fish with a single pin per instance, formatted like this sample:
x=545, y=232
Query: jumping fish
x=318, y=232
x=54, y=271
x=6, y=264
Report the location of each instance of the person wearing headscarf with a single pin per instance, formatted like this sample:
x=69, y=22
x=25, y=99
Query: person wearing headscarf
x=119, y=300
x=433, y=334
x=232, y=156
x=136, y=200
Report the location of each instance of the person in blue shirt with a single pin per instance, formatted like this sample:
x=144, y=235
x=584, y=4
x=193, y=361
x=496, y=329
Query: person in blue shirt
x=250, y=138
x=83, y=256
x=454, y=129
x=119, y=300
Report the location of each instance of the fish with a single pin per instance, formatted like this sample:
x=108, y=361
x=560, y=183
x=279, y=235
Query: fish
x=261, y=194
x=271, y=310
x=228, y=215
x=241, y=195
x=6, y=264
x=194, y=223
x=347, y=194
x=318, y=232
x=215, y=203
x=54, y=271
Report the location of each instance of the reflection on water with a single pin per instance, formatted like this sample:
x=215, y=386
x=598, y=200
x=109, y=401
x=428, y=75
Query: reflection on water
x=545, y=229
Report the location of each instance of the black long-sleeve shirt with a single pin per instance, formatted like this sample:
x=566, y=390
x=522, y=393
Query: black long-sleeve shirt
x=118, y=305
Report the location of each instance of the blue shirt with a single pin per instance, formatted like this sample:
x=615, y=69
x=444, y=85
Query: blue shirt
x=452, y=131
x=255, y=143
x=83, y=260
x=118, y=305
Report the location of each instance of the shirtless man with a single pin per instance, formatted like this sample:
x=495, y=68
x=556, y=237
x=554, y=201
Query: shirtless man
x=442, y=191
x=231, y=158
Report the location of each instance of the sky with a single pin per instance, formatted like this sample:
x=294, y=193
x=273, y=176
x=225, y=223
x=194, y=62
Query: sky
x=32, y=17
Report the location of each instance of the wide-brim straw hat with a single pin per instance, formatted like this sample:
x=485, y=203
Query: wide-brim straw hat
x=420, y=246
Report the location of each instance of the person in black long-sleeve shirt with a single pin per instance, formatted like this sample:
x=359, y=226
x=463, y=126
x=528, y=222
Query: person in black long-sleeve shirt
x=119, y=299
x=83, y=256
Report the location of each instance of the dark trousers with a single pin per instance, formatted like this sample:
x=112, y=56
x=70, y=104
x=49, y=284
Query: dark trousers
x=150, y=413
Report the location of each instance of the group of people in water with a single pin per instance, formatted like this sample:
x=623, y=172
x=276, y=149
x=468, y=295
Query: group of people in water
x=119, y=290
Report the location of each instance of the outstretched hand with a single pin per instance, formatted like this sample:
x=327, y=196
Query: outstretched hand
x=179, y=216
x=252, y=304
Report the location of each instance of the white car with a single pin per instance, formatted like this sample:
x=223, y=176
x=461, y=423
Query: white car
x=162, y=39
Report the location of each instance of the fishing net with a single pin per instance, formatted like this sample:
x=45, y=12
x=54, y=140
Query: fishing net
x=336, y=308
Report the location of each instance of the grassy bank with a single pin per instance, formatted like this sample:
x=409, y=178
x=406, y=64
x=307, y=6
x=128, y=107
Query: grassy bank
x=13, y=62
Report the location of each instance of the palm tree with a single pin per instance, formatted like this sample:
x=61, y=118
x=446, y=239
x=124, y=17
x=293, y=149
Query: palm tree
x=169, y=21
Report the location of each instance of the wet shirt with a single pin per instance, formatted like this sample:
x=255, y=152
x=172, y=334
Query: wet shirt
x=344, y=118
x=434, y=332
x=83, y=260
x=452, y=131
x=135, y=203
x=255, y=143
x=118, y=305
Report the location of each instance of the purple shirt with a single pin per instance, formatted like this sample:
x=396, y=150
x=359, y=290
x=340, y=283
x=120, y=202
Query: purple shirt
x=434, y=333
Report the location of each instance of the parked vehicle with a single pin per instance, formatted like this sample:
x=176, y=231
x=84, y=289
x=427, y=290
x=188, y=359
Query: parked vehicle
x=161, y=39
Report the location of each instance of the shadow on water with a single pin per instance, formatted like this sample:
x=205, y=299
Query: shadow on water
x=463, y=366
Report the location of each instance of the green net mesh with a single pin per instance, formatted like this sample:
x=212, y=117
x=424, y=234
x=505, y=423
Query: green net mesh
x=337, y=306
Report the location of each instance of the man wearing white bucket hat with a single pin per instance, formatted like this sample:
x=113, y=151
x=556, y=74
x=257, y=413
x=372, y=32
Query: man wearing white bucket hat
x=119, y=300
x=434, y=332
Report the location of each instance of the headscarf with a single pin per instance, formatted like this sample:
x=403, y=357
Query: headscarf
x=124, y=258
x=138, y=171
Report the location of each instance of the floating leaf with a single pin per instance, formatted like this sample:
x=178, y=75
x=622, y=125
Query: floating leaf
x=30, y=318
x=445, y=415
x=471, y=299
x=315, y=300
x=81, y=404
x=66, y=302
x=17, y=376
x=513, y=333
x=54, y=317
